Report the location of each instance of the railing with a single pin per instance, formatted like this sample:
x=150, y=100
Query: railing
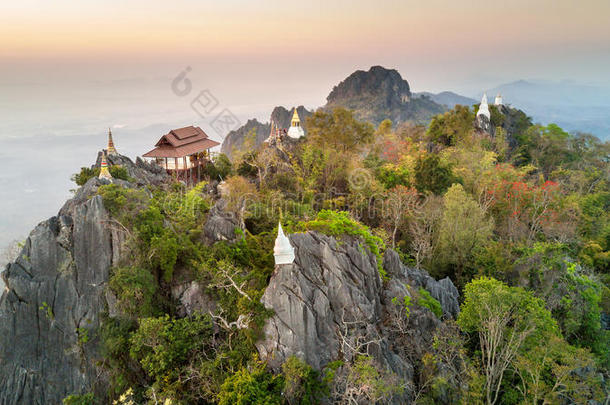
x=172, y=164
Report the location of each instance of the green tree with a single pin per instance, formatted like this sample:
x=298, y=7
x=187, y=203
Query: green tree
x=451, y=127
x=302, y=383
x=135, y=290
x=339, y=129
x=84, y=399
x=85, y=174
x=547, y=373
x=253, y=386
x=162, y=345
x=431, y=175
x=545, y=147
x=463, y=230
x=508, y=321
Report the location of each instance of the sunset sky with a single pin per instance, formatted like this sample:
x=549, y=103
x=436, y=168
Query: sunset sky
x=435, y=44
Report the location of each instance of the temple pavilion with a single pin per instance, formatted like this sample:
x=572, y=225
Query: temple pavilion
x=183, y=152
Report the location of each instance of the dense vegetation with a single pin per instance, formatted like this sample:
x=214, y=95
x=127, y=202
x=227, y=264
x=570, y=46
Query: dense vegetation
x=522, y=230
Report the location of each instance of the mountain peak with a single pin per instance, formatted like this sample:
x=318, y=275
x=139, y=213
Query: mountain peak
x=381, y=93
x=377, y=81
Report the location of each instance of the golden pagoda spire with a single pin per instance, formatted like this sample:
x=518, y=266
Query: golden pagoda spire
x=296, y=121
x=111, y=148
x=295, y=131
x=104, y=172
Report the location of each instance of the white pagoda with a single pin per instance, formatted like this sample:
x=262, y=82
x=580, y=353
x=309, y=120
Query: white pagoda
x=484, y=108
x=296, y=130
x=498, y=101
x=283, y=250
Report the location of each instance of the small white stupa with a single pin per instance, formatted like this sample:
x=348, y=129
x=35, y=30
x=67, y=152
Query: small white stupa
x=104, y=172
x=484, y=108
x=283, y=250
x=498, y=101
x=296, y=130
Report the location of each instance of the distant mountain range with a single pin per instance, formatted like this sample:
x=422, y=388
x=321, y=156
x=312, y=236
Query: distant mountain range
x=447, y=98
x=572, y=106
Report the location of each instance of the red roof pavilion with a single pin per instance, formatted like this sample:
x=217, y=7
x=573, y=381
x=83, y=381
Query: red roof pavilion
x=172, y=150
x=181, y=142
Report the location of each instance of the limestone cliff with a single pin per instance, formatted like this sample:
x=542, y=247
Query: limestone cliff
x=55, y=293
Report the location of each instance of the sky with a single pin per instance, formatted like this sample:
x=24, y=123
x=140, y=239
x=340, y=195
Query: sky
x=69, y=69
x=305, y=46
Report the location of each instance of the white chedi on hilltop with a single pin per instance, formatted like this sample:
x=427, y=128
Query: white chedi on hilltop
x=483, y=120
x=296, y=130
x=484, y=108
x=498, y=101
x=283, y=250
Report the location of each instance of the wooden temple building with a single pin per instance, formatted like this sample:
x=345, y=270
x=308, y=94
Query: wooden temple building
x=183, y=152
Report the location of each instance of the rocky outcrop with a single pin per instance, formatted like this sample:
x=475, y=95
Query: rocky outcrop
x=332, y=295
x=443, y=291
x=50, y=310
x=381, y=93
x=221, y=224
x=236, y=141
x=512, y=120
x=191, y=298
x=141, y=171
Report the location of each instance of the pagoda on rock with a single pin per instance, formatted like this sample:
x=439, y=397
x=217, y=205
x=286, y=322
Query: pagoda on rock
x=296, y=130
x=104, y=172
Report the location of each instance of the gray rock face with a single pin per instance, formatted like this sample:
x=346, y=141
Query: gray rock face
x=327, y=284
x=381, y=93
x=443, y=291
x=142, y=172
x=50, y=310
x=332, y=293
x=54, y=297
x=192, y=299
x=221, y=224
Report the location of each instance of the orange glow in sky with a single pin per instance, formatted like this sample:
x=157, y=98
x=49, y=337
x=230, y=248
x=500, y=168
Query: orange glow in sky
x=72, y=28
